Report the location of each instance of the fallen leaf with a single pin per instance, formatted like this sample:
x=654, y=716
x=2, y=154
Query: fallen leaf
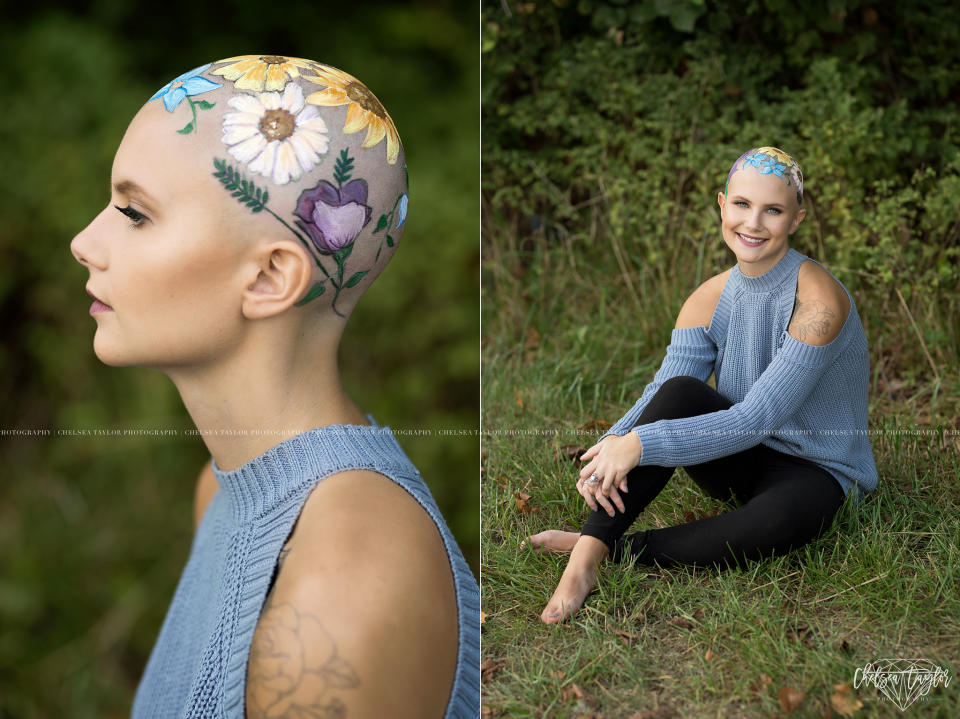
x=709, y=656
x=483, y=617
x=558, y=674
x=596, y=425
x=759, y=684
x=571, y=692
x=491, y=667
x=688, y=516
x=790, y=699
x=487, y=711
x=572, y=451
x=519, y=400
x=627, y=637
x=521, y=499
x=532, y=340
x=680, y=622
x=844, y=702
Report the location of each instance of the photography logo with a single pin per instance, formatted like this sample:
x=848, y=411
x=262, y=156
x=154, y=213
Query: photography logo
x=902, y=681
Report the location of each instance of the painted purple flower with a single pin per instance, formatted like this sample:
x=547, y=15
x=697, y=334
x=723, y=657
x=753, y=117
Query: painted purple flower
x=333, y=217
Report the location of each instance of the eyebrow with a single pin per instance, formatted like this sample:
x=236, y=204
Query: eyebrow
x=129, y=187
x=745, y=199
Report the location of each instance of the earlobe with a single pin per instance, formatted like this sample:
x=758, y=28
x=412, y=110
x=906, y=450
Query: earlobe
x=283, y=274
x=720, y=199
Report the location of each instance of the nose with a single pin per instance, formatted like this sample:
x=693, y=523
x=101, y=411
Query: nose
x=86, y=249
x=755, y=220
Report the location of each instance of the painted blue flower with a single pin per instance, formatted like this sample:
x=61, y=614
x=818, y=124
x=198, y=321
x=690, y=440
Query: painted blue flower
x=402, y=210
x=192, y=84
x=771, y=167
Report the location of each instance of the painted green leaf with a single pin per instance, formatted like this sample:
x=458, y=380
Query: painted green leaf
x=381, y=223
x=188, y=128
x=204, y=105
x=355, y=278
x=315, y=291
x=389, y=241
x=343, y=253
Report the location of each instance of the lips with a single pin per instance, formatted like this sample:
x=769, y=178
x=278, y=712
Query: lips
x=750, y=241
x=105, y=305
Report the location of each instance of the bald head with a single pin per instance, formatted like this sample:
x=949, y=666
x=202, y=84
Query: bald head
x=283, y=148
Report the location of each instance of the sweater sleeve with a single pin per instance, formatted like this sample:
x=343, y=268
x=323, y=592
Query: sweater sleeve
x=690, y=352
x=772, y=399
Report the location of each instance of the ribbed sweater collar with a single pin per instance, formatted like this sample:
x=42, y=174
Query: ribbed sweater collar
x=773, y=277
x=266, y=481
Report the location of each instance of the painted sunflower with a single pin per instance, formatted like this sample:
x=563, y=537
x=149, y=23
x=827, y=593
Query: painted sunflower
x=364, y=110
x=261, y=72
x=777, y=154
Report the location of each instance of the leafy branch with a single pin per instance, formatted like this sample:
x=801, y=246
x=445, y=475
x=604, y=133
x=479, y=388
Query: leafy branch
x=245, y=191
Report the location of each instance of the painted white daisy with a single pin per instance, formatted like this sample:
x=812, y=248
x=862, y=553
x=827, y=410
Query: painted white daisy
x=277, y=136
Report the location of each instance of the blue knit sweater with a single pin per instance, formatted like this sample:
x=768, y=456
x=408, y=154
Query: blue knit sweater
x=198, y=666
x=803, y=400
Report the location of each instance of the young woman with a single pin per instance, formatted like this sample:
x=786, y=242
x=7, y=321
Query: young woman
x=783, y=436
x=253, y=201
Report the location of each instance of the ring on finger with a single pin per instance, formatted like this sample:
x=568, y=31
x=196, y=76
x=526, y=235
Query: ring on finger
x=593, y=479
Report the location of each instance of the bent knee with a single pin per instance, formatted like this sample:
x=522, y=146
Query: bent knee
x=687, y=396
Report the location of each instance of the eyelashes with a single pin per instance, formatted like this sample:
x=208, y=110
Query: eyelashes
x=138, y=219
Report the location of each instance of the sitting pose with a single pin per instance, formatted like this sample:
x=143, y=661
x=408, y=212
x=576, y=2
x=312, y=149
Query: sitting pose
x=253, y=201
x=783, y=437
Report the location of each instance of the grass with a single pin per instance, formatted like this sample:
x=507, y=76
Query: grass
x=562, y=356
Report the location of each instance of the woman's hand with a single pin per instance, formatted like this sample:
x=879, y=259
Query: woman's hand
x=611, y=459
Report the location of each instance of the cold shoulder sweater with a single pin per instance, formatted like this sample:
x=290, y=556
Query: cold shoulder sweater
x=198, y=665
x=804, y=400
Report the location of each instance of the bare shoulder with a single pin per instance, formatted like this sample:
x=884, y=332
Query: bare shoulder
x=362, y=617
x=700, y=305
x=820, y=308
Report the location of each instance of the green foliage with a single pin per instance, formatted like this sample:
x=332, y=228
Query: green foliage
x=620, y=132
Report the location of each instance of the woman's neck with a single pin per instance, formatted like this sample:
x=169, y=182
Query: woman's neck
x=262, y=394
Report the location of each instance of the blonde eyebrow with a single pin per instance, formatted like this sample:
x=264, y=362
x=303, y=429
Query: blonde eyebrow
x=129, y=187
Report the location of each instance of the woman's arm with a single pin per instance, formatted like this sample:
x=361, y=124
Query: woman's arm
x=691, y=352
x=808, y=349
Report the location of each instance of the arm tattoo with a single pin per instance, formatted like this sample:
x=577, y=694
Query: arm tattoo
x=294, y=665
x=811, y=318
x=295, y=668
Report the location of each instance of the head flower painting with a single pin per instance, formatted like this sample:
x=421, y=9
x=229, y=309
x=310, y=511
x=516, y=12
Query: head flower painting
x=364, y=111
x=285, y=148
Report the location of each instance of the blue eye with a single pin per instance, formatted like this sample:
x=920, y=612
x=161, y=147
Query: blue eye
x=138, y=219
x=740, y=203
x=775, y=210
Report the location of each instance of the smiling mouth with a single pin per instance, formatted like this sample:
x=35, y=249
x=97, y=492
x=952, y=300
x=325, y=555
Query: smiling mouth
x=751, y=241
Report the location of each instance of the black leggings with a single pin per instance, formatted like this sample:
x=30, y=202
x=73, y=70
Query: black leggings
x=784, y=501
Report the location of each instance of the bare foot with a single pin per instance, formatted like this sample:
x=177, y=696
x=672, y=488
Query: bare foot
x=554, y=541
x=578, y=579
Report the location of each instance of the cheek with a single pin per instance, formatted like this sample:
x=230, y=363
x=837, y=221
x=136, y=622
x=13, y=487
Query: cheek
x=183, y=287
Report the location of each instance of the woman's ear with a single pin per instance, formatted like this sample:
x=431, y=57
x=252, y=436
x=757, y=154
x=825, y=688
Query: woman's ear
x=721, y=198
x=282, y=272
x=801, y=213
